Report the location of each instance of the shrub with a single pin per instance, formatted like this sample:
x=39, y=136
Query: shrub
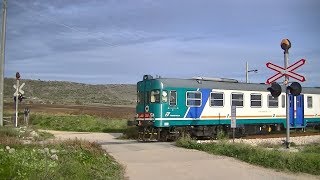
x=73, y=159
x=131, y=132
x=307, y=161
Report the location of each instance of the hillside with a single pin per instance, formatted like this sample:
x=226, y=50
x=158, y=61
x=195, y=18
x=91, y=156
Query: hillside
x=60, y=92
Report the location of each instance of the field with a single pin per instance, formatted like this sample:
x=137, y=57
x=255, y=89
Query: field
x=111, y=112
x=61, y=92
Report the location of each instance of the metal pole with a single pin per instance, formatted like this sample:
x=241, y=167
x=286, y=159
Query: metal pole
x=3, y=40
x=233, y=134
x=17, y=103
x=286, y=82
x=247, y=69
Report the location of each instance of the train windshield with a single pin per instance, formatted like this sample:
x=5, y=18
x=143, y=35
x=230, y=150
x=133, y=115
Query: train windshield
x=154, y=96
x=143, y=97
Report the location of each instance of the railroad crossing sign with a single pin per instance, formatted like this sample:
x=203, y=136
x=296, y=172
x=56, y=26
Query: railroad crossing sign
x=286, y=72
x=19, y=90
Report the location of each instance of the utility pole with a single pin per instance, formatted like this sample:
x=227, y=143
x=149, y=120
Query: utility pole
x=3, y=41
x=247, y=72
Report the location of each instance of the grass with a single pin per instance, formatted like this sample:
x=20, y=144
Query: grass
x=82, y=123
x=306, y=161
x=68, y=160
x=72, y=159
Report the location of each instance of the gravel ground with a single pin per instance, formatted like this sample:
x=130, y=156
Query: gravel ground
x=164, y=161
x=275, y=141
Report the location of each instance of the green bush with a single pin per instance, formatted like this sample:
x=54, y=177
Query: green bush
x=68, y=160
x=307, y=161
x=130, y=133
x=8, y=132
x=312, y=148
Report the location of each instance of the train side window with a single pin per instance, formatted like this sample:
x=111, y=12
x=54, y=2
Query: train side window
x=155, y=96
x=193, y=98
x=216, y=99
x=283, y=101
x=255, y=100
x=273, y=102
x=309, y=101
x=173, y=98
x=237, y=99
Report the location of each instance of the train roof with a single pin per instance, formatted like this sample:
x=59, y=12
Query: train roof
x=198, y=83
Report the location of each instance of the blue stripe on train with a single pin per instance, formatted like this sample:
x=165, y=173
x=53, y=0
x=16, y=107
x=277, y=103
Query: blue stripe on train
x=195, y=112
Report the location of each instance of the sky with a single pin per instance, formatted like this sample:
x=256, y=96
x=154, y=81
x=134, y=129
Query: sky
x=118, y=41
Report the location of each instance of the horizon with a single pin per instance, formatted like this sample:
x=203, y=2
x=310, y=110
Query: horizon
x=62, y=81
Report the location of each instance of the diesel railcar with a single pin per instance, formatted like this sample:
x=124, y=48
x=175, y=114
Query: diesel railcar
x=201, y=107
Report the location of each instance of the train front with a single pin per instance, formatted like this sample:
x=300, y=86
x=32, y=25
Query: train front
x=149, y=99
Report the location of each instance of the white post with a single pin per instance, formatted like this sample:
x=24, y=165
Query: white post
x=17, y=103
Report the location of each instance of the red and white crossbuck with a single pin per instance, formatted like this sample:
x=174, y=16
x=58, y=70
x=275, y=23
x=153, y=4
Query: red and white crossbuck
x=286, y=72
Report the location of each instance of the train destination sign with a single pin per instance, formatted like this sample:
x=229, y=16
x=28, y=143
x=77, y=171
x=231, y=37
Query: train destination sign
x=286, y=71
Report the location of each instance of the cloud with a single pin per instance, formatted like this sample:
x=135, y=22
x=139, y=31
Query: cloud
x=119, y=41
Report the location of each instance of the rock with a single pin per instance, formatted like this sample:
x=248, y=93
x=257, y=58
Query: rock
x=53, y=151
x=12, y=150
x=34, y=134
x=7, y=147
x=54, y=157
x=26, y=142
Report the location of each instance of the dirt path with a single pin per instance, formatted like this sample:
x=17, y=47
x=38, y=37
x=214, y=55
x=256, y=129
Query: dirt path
x=164, y=161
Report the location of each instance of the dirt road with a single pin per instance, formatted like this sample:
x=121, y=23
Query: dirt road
x=164, y=161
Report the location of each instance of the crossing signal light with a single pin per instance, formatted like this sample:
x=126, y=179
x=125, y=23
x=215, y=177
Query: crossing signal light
x=285, y=44
x=295, y=88
x=275, y=89
x=20, y=98
x=17, y=75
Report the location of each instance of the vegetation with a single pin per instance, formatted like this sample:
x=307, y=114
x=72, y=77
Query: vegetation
x=130, y=133
x=60, y=92
x=82, y=123
x=307, y=160
x=72, y=159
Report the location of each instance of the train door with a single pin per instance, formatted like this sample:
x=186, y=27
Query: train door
x=300, y=122
x=296, y=111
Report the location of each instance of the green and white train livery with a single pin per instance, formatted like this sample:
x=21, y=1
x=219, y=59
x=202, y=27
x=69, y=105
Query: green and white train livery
x=167, y=107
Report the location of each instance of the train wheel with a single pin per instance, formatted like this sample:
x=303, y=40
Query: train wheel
x=164, y=135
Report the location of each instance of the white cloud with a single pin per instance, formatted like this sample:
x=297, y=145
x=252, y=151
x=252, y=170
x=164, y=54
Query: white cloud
x=119, y=41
